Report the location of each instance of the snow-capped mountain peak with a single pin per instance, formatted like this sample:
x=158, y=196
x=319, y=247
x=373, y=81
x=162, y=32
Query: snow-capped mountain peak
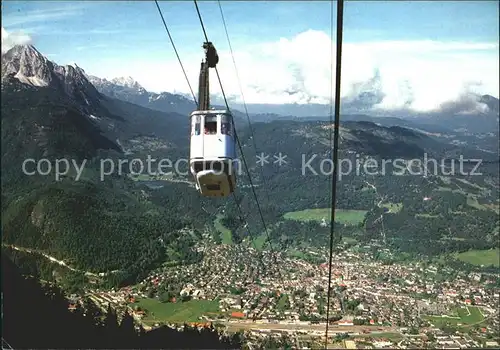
x=26, y=64
x=127, y=82
x=28, y=51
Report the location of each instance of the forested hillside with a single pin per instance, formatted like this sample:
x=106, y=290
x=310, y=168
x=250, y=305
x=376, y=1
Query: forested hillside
x=448, y=206
x=94, y=225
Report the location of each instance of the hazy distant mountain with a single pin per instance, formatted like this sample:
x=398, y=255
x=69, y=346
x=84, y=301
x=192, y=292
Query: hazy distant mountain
x=484, y=108
x=127, y=89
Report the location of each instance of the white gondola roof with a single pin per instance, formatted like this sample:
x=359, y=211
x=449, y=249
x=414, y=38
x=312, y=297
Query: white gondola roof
x=212, y=111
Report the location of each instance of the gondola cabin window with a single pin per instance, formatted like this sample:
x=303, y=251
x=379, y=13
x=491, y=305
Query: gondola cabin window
x=210, y=124
x=196, y=125
x=225, y=125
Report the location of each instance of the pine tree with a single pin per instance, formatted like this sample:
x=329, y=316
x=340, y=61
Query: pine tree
x=128, y=335
x=111, y=326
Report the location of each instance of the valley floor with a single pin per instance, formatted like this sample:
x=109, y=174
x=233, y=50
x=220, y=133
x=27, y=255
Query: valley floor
x=233, y=288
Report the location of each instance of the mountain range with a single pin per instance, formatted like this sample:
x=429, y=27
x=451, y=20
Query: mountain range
x=482, y=116
x=472, y=114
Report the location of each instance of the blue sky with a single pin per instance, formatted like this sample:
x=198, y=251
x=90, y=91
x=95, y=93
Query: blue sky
x=103, y=36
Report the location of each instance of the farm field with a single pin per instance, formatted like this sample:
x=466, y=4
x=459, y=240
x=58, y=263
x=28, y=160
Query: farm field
x=392, y=207
x=226, y=235
x=466, y=316
x=348, y=217
x=188, y=311
x=480, y=257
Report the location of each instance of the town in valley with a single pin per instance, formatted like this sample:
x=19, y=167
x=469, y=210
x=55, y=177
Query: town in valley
x=373, y=304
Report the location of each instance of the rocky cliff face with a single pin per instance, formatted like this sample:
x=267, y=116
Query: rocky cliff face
x=29, y=66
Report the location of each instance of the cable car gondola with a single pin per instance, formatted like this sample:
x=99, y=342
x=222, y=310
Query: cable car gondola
x=213, y=147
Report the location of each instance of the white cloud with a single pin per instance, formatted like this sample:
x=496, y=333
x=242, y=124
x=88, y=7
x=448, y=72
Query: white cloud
x=10, y=40
x=44, y=15
x=419, y=74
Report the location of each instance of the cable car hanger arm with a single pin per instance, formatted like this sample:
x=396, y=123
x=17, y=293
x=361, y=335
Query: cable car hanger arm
x=211, y=60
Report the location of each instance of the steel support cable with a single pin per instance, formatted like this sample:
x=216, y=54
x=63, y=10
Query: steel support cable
x=252, y=134
x=239, y=85
x=331, y=128
x=245, y=222
x=194, y=98
x=340, y=17
x=5, y=344
x=176, y=53
x=239, y=146
x=257, y=202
